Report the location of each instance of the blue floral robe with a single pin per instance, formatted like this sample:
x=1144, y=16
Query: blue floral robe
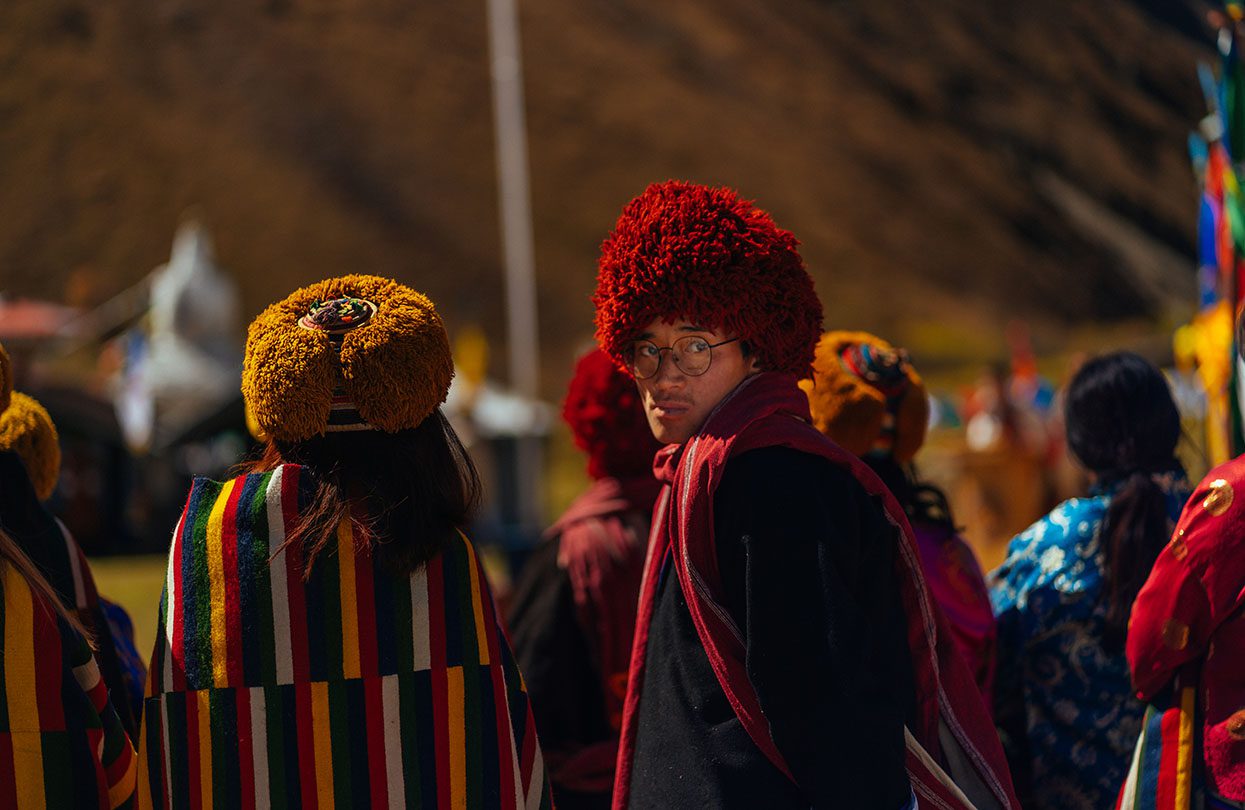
x=1063, y=703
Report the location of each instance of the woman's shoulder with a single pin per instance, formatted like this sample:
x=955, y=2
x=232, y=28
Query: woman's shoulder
x=1055, y=551
x=1067, y=525
x=282, y=472
x=282, y=480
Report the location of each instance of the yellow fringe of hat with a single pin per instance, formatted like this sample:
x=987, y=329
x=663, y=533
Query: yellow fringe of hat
x=396, y=368
x=852, y=412
x=6, y=379
x=27, y=430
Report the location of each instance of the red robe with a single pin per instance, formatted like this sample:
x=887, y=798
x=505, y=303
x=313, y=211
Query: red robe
x=1190, y=613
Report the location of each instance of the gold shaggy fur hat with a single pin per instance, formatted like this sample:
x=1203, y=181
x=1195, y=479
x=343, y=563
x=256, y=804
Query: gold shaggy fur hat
x=352, y=353
x=6, y=379
x=27, y=430
x=865, y=395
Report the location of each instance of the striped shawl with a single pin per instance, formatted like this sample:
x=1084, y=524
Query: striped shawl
x=354, y=688
x=61, y=743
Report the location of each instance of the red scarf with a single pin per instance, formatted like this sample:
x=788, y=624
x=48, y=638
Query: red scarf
x=769, y=410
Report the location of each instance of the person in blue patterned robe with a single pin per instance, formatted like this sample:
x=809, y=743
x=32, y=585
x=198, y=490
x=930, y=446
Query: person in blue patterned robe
x=1063, y=699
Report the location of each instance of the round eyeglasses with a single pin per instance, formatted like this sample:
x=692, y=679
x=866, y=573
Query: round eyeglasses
x=692, y=355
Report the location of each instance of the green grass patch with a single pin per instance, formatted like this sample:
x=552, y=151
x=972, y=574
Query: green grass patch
x=135, y=584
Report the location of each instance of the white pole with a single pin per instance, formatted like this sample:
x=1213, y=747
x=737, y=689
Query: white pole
x=510, y=130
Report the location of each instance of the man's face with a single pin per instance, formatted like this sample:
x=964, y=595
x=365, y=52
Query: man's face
x=676, y=403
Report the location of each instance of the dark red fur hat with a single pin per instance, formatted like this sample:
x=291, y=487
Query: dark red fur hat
x=607, y=420
x=682, y=250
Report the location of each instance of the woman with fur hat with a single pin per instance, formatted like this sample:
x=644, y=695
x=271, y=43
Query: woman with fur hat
x=30, y=460
x=866, y=396
x=573, y=613
x=327, y=637
x=62, y=743
x=787, y=653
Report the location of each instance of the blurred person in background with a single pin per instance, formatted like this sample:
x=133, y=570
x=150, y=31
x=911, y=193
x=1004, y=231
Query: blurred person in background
x=1062, y=597
x=573, y=614
x=327, y=636
x=866, y=396
x=787, y=652
x=30, y=461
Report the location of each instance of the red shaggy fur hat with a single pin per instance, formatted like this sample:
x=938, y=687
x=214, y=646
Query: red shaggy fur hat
x=607, y=420
x=682, y=250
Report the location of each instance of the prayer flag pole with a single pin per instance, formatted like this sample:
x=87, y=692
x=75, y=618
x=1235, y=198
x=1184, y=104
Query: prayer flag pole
x=522, y=341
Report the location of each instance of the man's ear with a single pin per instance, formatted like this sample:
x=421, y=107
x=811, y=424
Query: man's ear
x=754, y=367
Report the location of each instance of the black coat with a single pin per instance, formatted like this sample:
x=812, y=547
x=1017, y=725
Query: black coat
x=807, y=560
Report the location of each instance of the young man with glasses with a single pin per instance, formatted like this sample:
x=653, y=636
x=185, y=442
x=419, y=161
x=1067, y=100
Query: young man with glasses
x=787, y=653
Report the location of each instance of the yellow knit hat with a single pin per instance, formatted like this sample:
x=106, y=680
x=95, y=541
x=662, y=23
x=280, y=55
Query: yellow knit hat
x=351, y=353
x=6, y=379
x=865, y=395
x=27, y=430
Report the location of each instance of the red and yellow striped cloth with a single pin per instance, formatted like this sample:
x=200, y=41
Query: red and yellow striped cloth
x=352, y=687
x=1162, y=775
x=61, y=743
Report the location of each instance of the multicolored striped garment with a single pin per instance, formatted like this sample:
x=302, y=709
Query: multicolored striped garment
x=57, y=556
x=353, y=688
x=61, y=742
x=1163, y=775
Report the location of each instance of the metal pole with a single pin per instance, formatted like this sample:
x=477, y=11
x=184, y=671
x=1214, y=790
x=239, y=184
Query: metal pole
x=516, y=229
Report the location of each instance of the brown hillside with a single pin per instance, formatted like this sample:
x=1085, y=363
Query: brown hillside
x=946, y=165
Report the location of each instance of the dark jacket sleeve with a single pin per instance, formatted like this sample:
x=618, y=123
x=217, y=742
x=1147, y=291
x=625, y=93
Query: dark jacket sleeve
x=807, y=561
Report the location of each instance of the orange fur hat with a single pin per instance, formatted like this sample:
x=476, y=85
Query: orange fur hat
x=865, y=395
x=27, y=430
x=351, y=353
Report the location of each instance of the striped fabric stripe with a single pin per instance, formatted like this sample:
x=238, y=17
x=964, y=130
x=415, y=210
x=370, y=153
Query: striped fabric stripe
x=351, y=653
x=74, y=554
x=161, y=662
x=323, y=756
x=344, y=687
x=391, y=722
x=258, y=721
x=20, y=683
x=1184, y=774
x=420, y=631
x=277, y=583
x=216, y=578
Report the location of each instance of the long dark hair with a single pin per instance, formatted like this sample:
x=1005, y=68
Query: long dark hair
x=1123, y=426
x=406, y=492
x=922, y=502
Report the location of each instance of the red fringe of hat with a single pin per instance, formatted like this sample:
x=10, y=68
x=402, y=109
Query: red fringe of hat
x=682, y=250
x=607, y=419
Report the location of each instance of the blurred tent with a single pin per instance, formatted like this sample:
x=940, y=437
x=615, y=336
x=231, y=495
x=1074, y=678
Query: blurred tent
x=24, y=320
x=143, y=389
x=182, y=361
